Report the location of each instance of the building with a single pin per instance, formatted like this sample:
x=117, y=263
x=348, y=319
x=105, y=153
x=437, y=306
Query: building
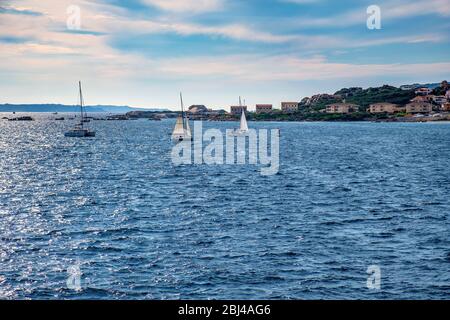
x=385, y=107
x=237, y=110
x=419, y=107
x=423, y=91
x=342, y=108
x=445, y=107
x=264, y=108
x=447, y=95
x=421, y=99
x=439, y=99
x=288, y=107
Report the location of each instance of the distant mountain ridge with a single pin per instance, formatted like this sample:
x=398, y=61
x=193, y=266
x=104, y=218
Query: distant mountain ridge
x=71, y=108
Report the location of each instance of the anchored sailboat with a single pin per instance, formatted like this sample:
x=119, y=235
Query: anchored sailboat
x=79, y=131
x=243, y=128
x=182, y=130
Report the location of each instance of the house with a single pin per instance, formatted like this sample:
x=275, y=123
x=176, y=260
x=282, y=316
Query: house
x=289, y=107
x=439, y=99
x=419, y=107
x=237, y=110
x=385, y=107
x=447, y=95
x=263, y=108
x=342, y=108
x=426, y=98
x=445, y=107
x=423, y=91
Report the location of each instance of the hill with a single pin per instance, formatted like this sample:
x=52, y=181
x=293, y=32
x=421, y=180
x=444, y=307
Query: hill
x=359, y=96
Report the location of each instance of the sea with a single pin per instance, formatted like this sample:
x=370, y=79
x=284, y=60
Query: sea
x=357, y=210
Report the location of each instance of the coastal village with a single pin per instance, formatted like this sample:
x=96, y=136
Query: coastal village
x=407, y=103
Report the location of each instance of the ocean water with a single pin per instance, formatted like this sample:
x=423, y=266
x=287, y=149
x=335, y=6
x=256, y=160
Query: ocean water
x=348, y=196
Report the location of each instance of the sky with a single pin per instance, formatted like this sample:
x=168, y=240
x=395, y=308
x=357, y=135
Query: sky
x=142, y=53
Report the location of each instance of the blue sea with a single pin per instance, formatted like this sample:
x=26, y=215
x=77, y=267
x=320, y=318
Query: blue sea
x=347, y=196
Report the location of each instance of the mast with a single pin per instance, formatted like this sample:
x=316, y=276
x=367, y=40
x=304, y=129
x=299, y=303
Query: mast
x=182, y=111
x=81, y=104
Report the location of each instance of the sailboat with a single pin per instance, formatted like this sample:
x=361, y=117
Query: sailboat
x=243, y=128
x=182, y=130
x=79, y=131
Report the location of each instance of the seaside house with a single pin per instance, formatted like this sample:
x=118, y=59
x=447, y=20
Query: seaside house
x=385, y=107
x=419, y=107
x=445, y=107
x=237, y=110
x=342, y=108
x=289, y=107
x=421, y=99
x=423, y=91
x=439, y=99
x=263, y=108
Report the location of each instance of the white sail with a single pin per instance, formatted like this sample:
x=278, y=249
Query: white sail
x=182, y=130
x=188, y=129
x=244, y=125
x=179, y=129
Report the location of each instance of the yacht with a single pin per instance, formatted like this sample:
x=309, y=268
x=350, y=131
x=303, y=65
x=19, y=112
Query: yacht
x=182, y=130
x=80, y=130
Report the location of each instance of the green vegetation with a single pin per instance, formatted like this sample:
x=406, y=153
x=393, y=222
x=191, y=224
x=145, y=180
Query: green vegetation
x=366, y=97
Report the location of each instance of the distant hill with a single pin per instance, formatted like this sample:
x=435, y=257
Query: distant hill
x=69, y=108
x=365, y=97
x=359, y=96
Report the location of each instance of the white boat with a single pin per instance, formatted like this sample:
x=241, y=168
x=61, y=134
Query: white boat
x=243, y=128
x=80, y=131
x=182, y=130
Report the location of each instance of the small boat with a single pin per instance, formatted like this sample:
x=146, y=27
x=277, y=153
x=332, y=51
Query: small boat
x=79, y=131
x=243, y=128
x=25, y=118
x=182, y=130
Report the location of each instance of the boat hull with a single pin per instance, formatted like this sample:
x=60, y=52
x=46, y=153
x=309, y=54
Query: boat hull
x=181, y=138
x=239, y=133
x=79, y=134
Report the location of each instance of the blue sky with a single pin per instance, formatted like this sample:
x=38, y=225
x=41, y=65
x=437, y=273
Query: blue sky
x=143, y=52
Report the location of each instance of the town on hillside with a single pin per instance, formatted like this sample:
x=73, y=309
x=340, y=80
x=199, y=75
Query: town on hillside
x=386, y=103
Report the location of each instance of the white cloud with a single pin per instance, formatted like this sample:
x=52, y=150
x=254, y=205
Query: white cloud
x=288, y=68
x=390, y=10
x=193, y=6
x=55, y=59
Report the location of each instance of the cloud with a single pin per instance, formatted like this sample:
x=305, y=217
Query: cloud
x=38, y=50
x=288, y=68
x=193, y=6
x=389, y=11
x=20, y=11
